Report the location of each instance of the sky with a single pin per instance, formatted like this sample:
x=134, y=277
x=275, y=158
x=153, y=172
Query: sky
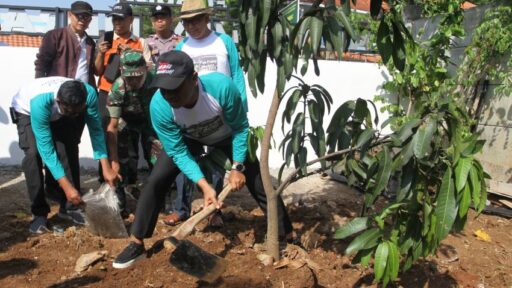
x=96, y=4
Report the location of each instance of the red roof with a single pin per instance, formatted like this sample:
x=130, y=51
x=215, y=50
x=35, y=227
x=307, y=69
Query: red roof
x=18, y=40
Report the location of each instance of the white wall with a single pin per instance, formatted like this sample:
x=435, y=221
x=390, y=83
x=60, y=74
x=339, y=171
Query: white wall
x=344, y=80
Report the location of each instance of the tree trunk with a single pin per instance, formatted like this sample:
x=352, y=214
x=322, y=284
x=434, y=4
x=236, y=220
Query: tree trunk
x=272, y=226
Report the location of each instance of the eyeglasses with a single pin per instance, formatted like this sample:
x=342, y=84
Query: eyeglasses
x=193, y=20
x=83, y=17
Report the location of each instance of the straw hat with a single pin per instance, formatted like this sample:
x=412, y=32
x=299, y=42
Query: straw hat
x=192, y=8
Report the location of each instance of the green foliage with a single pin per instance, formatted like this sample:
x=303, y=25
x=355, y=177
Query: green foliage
x=266, y=33
x=491, y=43
x=430, y=154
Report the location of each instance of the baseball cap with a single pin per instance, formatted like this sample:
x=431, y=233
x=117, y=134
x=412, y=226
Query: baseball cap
x=121, y=10
x=173, y=67
x=161, y=10
x=81, y=7
x=132, y=63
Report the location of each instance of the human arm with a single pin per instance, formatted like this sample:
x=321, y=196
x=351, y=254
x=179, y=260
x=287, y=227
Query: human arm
x=46, y=55
x=93, y=121
x=99, y=61
x=236, y=71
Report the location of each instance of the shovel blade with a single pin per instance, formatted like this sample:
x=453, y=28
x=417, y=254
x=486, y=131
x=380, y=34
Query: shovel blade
x=191, y=259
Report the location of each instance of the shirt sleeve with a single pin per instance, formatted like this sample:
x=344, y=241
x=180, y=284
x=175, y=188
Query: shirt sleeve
x=228, y=95
x=116, y=98
x=146, y=52
x=236, y=71
x=171, y=138
x=93, y=121
x=40, y=107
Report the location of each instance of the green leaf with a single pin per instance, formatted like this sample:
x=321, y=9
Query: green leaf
x=280, y=175
x=381, y=259
x=363, y=257
x=423, y=138
x=446, y=209
x=384, y=41
x=384, y=171
x=336, y=35
x=393, y=264
x=365, y=137
x=407, y=129
x=298, y=127
x=317, y=24
x=361, y=111
x=406, y=181
x=303, y=160
x=265, y=9
x=355, y=226
x=367, y=240
x=344, y=20
x=476, y=185
x=465, y=201
x=354, y=166
x=314, y=115
x=277, y=35
x=398, y=48
x=462, y=171
x=291, y=105
x=474, y=148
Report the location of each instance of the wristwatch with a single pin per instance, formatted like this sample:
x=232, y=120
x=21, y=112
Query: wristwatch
x=238, y=167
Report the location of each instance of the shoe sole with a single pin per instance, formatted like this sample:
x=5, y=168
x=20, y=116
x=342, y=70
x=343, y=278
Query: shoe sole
x=68, y=217
x=129, y=263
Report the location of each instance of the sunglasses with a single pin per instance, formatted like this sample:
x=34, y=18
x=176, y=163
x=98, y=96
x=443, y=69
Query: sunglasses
x=83, y=17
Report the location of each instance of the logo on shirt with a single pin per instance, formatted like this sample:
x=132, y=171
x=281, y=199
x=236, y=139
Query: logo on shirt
x=165, y=68
x=205, y=128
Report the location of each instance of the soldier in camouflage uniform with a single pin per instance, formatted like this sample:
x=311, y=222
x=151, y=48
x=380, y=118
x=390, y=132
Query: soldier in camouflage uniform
x=128, y=112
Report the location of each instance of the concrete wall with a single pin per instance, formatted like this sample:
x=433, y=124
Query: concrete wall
x=344, y=80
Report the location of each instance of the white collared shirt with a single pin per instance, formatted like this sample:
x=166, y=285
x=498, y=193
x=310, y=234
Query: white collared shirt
x=82, y=69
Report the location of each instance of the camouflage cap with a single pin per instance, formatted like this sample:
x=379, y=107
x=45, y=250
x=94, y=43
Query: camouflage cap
x=132, y=63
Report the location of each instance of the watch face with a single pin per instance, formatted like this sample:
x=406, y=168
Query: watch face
x=239, y=167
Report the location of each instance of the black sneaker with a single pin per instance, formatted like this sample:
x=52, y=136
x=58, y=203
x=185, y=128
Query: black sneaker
x=75, y=215
x=39, y=225
x=130, y=255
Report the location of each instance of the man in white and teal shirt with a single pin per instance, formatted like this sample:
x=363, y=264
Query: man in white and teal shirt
x=50, y=114
x=211, y=52
x=190, y=111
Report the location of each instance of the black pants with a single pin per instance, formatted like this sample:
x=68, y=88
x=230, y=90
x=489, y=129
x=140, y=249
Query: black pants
x=163, y=175
x=66, y=134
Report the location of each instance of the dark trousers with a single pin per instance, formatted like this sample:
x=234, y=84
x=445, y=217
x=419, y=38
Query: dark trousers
x=66, y=134
x=163, y=175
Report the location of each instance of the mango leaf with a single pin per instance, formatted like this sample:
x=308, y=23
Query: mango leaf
x=363, y=257
x=476, y=186
x=344, y=20
x=406, y=181
x=381, y=259
x=365, y=137
x=398, y=48
x=393, y=264
x=384, y=41
x=361, y=111
x=462, y=171
x=354, y=166
x=423, y=138
x=355, y=226
x=407, y=129
x=367, y=240
x=277, y=35
x=297, y=129
x=316, y=33
x=473, y=148
x=384, y=171
x=446, y=209
x=265, y=9
x=465, y=201
x=291, y=105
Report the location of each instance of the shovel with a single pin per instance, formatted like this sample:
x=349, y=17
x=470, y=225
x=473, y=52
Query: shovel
x=190, y=258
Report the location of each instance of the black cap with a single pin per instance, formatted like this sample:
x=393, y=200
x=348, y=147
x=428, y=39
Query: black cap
x=161, y=10
x=81, y=7
x=121, y=10
x=173, y=67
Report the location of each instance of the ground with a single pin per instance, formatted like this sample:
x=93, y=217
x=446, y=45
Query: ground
x=316, y=205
